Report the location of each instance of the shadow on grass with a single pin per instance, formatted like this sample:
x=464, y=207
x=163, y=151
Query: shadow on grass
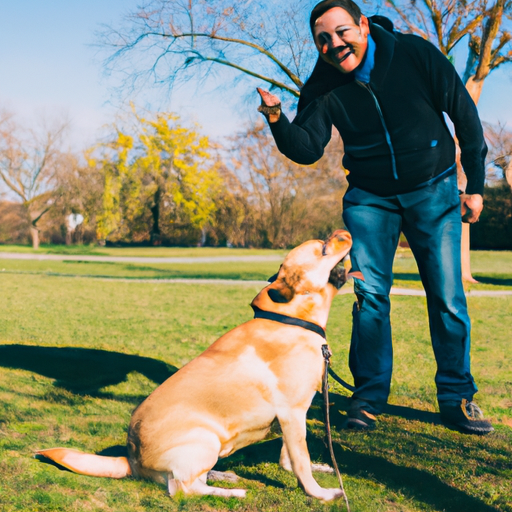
x=80, y=370
x=499, y=281
x=417, y=484
x=483, y=279
x=342, y=403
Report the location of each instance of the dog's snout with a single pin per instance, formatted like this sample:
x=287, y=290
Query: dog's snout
x=340, y=235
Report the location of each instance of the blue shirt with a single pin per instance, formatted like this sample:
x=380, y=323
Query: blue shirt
x=362, y=72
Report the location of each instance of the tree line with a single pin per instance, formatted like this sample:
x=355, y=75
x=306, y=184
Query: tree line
x=156, y=181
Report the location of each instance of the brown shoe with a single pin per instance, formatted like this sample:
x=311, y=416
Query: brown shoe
x=465, y=417
x=359, y=418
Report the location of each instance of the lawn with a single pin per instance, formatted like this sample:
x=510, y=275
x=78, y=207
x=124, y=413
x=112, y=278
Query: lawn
x=78, y=354
x=161, y=252
x=493, y=269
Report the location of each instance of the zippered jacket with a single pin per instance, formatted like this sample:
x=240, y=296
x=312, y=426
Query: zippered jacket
x=393, y=129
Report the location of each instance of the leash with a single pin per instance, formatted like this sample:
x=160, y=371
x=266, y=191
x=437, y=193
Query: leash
x=326, y=352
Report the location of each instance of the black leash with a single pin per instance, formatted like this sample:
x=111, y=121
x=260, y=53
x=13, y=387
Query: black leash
x=326, y=353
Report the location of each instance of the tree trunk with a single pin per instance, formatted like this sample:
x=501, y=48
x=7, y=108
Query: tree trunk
x=465, y=255
x=34, y=233
x=155, y=236
x=474, y=87
x=508, y=173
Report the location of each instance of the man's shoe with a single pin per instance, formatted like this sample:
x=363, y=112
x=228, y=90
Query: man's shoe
x=466, y=417
x=359, y=418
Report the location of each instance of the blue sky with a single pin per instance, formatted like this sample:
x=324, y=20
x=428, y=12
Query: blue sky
x=48, y=64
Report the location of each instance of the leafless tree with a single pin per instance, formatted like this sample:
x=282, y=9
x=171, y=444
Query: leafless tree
x=29, y=162
x=274, y=202
x=500, y=153
x=167, y=42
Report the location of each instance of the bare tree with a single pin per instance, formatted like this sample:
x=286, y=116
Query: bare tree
x=485, y=26
x=29, y=161
x=271, y=201
x=500, y=153
x=168, y=42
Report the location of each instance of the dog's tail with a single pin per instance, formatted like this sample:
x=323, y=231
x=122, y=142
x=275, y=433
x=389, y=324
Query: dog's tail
x=87, y=463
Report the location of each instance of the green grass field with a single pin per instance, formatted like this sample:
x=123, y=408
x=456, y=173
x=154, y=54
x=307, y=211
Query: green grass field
x=78, y=354
x=493, y=269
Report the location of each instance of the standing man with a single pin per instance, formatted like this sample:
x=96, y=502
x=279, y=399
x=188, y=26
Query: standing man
x=386, y=94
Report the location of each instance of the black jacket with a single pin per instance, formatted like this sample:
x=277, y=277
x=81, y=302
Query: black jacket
x=393, y=130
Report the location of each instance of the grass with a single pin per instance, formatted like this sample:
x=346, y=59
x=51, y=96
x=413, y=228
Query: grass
x=260, y=270
x=77, y=355
x=493, y=269
x=161, y=252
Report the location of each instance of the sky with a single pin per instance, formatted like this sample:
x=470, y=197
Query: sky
x=50, y=66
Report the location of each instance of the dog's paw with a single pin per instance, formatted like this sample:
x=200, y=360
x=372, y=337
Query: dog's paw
x=222, y=476
x=330, y=494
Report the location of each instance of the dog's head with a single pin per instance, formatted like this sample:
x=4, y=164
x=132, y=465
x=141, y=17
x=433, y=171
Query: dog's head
x=308, y=279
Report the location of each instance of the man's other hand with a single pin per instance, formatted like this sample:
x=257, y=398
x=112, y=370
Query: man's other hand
x=471, y=206
x=269, y=102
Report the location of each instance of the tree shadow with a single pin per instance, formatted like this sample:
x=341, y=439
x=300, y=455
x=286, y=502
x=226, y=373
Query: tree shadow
x=499, y=281
x=83, y=371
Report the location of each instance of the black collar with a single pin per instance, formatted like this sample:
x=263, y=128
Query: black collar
x=289, y=320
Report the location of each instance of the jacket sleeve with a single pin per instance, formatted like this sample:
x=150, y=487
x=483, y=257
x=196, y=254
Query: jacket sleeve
x=454, y=99
x=304, y=139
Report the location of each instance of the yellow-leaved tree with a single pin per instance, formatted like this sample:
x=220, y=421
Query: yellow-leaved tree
x=161, y=182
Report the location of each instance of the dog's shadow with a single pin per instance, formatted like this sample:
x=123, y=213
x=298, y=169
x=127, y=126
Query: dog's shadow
x=82, y=371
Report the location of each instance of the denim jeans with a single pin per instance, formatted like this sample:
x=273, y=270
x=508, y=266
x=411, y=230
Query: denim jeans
x=430, y=219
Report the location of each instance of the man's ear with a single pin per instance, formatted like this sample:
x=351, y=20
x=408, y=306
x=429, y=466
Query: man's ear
x=364, y=26
x=281, y=293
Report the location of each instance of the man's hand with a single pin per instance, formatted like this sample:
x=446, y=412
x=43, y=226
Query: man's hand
x=270, y=106
x=471, y=206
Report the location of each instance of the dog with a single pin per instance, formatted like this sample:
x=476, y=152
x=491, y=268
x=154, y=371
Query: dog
x=228, y=397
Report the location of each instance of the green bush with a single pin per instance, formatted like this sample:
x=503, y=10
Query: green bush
x=494, y=230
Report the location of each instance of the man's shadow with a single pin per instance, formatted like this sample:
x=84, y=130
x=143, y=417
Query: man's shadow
x=82, y=371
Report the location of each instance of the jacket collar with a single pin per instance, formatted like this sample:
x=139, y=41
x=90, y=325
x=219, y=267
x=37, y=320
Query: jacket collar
x=385, y=49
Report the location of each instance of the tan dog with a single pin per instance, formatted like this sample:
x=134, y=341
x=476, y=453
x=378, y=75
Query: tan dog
x=228, y=397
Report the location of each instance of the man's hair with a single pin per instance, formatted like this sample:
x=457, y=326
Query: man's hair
x=321, y=8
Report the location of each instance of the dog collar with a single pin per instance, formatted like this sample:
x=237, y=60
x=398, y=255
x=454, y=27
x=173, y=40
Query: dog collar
x=289, y=320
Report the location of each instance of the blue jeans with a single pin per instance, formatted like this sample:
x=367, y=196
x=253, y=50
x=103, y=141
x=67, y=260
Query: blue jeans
x=430, y=219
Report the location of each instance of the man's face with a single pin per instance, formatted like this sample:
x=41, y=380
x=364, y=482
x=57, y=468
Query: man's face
x=339, y=40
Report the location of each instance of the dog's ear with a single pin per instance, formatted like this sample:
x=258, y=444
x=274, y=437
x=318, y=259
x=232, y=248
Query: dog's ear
x=281, y=293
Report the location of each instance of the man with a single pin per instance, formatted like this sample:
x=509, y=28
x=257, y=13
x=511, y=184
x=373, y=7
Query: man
x=386, y=93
